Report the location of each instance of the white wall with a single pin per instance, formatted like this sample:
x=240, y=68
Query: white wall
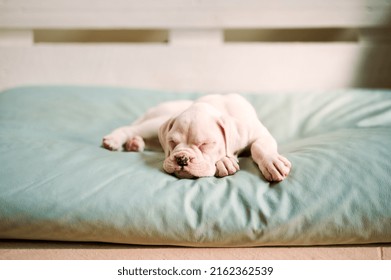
x=193, y=45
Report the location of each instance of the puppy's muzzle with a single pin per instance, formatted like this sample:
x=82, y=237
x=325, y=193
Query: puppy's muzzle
x=182, y=160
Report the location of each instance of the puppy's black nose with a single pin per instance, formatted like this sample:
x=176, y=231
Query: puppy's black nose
x=182, y=160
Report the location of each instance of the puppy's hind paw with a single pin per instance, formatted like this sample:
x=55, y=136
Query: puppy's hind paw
x=110, y=142
x=227, y=166
x=135, y=144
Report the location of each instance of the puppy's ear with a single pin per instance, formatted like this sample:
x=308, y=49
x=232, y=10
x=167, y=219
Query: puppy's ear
x=163, y=131
x=231, y=135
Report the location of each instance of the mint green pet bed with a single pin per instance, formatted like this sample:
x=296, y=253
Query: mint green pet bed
x=57, y=183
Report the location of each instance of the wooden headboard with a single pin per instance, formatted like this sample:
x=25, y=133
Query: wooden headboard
x=197, y=51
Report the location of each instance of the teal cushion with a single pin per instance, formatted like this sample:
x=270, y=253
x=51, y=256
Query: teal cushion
x=57, y=183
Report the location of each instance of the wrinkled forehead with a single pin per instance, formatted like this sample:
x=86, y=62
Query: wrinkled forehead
x=196, y=129
x=208, y=131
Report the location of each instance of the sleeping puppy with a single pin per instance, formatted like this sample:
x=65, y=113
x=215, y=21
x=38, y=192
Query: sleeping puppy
x=203, y=137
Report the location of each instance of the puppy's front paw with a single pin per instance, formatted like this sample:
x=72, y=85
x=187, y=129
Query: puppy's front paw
x=135, y=144
x=275, y=167
x=226, y=166
x=111, y=143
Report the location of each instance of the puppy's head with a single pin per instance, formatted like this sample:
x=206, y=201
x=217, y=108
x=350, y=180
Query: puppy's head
x=193, y=142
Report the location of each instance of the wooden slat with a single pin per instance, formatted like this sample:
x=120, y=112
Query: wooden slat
x=16, y=37
x=231, y=67
x=196, y=37
x=193, y=14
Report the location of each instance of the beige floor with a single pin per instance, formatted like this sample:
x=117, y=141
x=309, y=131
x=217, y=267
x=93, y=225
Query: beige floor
x=99, y=251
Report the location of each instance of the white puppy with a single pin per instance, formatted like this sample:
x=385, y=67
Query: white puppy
x=203, y=137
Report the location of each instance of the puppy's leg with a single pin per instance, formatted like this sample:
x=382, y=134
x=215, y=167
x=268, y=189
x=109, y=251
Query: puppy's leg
x=117, y=138
x=146, y=127
x=132, y=137
x=273, y=166
x=135, y=144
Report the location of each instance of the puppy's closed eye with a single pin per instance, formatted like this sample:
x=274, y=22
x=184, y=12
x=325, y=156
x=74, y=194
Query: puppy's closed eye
x=206, y=145
x=172, y=144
